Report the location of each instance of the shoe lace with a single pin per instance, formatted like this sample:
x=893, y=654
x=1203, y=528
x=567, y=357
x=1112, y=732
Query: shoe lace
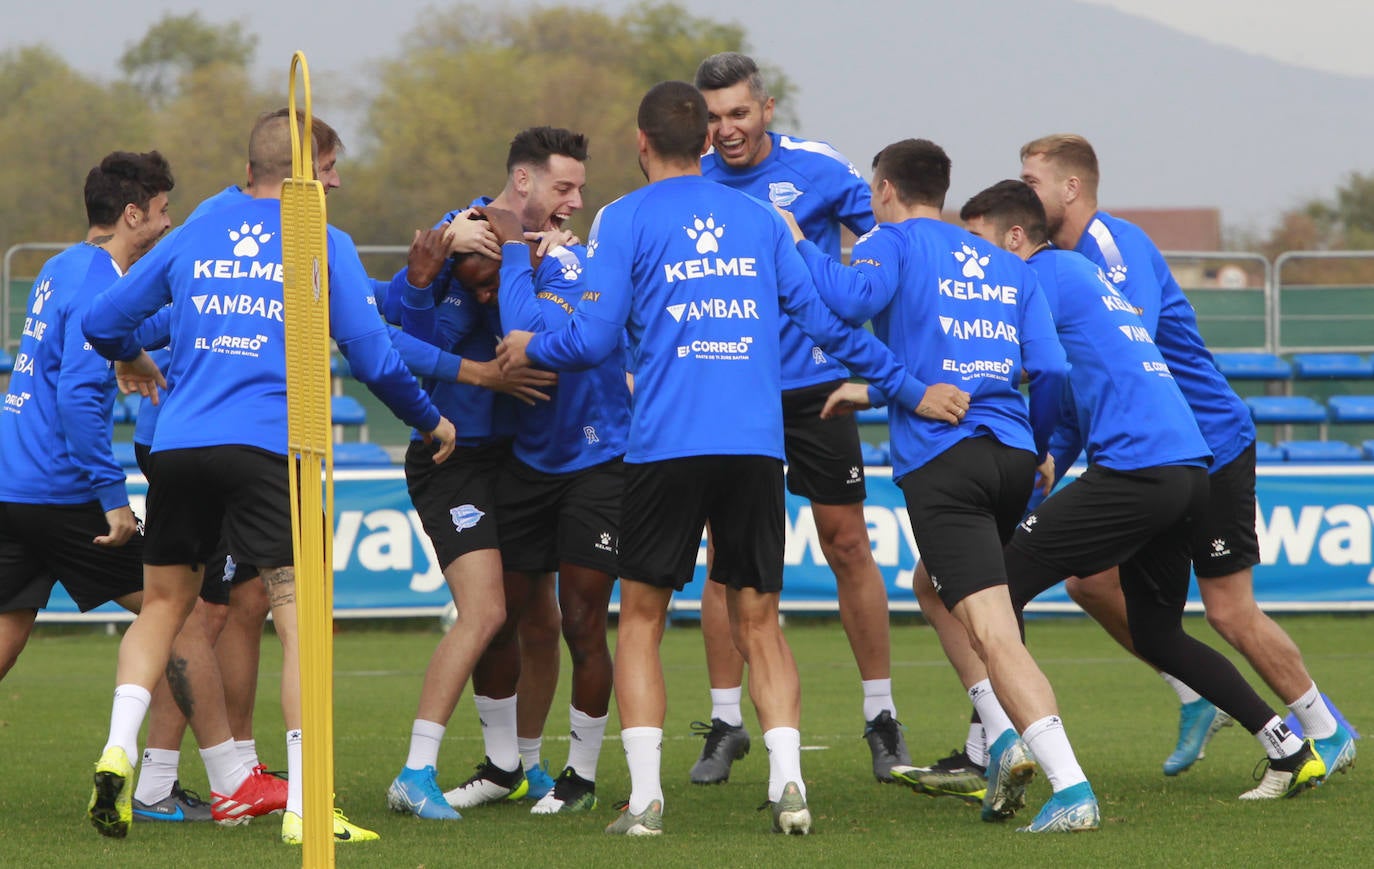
x=887, y=732
x=189, y=797
x=713, y=733
x=955, y=759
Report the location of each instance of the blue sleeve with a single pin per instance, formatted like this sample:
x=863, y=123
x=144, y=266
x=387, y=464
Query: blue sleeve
x=860, y=290
x=364, y=340
x=113, y=317
x=424, y=359
x=519, y=305
x=80, y=383
x=858, y=348
x=1043, y=358
x=594, y=330
x=1066, y=444
x=854, y=203
x=1145, y=288
x=156, y=331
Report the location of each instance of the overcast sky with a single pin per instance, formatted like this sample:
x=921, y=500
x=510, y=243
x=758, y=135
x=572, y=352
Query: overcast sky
x=848, y=97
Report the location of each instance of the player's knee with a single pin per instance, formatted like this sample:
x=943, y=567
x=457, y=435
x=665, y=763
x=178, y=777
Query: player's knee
x=1231, y=621
x=847, y=547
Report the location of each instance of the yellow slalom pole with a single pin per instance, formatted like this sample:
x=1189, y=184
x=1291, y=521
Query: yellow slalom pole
x=310, y=446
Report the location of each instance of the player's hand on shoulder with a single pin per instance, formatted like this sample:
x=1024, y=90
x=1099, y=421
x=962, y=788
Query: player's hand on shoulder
x=428, y=251
x=446, y=435
x=791, y=221
x=847, y=398
x=511, y=352
x=504, y=224
x=122, y=524
x=944, y=402
x=550, y=239
x=140, y=375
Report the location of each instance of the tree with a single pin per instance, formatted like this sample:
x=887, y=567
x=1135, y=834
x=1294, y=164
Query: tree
x=466, y=80
x=1344, y=222
x=180, y=44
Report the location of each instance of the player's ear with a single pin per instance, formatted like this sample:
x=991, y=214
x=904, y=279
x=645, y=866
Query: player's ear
x=768, y=106
x=1072, y=187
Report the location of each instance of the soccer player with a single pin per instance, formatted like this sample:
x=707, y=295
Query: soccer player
x=967, y=316
x=66, y=515
x=697, y=273
x=558, y=499
x=457, y=501
x=222, y=276
x=1063, y=170
x=823, y=191
x=1145, y=482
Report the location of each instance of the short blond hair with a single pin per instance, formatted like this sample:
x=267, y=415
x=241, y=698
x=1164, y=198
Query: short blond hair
x=1070, y=153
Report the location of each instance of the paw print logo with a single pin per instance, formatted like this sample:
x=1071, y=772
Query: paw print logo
x=1117, y=273
x=249, y=239
x=605, y=538
x=973, y=263
x=591, y=248
x=41, y=294
x=1218, y=545
x=572, y=271
x=705, y=234
x=854, y=472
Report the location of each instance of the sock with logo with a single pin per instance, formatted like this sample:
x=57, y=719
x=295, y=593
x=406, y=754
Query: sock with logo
x=498, y=730
x=725, y=705
x=1049, y=744
x=156, y=775
x=425, y=739
x=586, y=735
x=644, y=755
x=1316, y=720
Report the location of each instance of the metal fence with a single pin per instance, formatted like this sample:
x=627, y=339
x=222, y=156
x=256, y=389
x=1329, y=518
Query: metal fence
x=1304, y=301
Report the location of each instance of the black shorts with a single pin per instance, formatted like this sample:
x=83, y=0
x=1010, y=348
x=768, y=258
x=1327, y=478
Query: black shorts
x=456, y=500
x=1138, y=520
x=1223, y=539
x=547, y=519
x=824, y=460
x=668, y=503
x=196, y=495
x=44, y=544
x=964, y=505
x=220, y=572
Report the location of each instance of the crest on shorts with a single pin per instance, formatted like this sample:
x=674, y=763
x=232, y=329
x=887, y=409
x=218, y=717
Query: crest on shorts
x=466, y=516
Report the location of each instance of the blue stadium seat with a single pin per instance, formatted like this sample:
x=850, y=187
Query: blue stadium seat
x=1253, y=366
x=873, y=454
x=1351, y=408
x=1285, y=409
x=1332, y=366
x=1266, y=452
x=124, y=454
x=347, y=410
x=1321, y=451
x=871, y=416
x=886, y=447
x=1368, y=447
x=361, y=455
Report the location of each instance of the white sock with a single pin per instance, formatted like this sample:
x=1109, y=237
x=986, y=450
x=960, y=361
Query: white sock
x=1277, y=739
x=425, y=737
x=784, y=760
x=530, y=750
x=295, y=774
x=248, y=753
x=126, y=718
x=156, y=775
x=976, y=744
x=725, y=705
x=1185, y=694
x=878, y=698
x=586, y=734
x=1316, y=720
x=223, y=767
x=990, y=711
x=1049, y=743
x=644, y=755
x=498, y=730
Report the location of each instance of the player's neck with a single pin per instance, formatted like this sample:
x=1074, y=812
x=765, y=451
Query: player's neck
x=901, y=213
x=1075, y=223
x=661, y=170
x=114, y=243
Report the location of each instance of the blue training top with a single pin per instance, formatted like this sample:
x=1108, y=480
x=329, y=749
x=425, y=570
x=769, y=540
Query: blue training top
x=1133, y=263
x=587, y=419
x=696, y=273
x=56, y=425
x=1126, y=406
x=822, y=190
x=956, y=310
x=223, y=275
